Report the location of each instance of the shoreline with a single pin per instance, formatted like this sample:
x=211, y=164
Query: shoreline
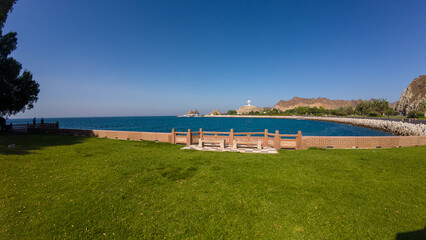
x=397, y=128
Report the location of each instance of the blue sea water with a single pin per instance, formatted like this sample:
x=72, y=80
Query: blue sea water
x=166, y=124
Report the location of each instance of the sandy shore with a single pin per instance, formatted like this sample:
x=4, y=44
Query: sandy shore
x=394, y=126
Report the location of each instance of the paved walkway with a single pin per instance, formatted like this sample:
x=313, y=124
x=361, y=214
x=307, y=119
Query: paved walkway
x=211, y=148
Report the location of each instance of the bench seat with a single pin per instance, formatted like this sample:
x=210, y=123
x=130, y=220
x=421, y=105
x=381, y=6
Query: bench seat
x=258, y=144
x=220, y=142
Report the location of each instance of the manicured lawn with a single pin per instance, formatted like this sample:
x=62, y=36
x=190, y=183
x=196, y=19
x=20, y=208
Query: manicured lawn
x=80, y=188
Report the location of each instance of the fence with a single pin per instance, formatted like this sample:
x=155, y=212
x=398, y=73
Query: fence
x=17, y=127
x=363, y=142
x=276, y=140
x=27, y=126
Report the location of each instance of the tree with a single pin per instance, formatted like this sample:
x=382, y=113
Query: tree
x=372, y=107
x=390, y=112
x=340, y=111
x=18, y=92
x=380, y=105
x=350, y=110
x=232, y=112
x=422, y=106
x=362, y=107
x=6, y=6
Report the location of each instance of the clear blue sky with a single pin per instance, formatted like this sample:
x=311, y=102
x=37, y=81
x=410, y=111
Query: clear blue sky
x=136, y=58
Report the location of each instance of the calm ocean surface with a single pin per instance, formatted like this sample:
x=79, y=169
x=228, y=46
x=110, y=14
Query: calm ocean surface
x=165, y=124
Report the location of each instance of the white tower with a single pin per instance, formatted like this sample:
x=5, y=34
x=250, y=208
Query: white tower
x=248, y=103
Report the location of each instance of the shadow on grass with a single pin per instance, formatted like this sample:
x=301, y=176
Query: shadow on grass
x=25, y=143
x=316, y=148
x=415, y=235
x=177, y=173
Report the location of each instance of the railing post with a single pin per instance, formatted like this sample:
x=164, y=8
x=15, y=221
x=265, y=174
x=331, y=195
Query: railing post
x=201, y=133
x=189, y=137
x=173, y=136
x=265, y=139
x=299, y=140
x=277, y=140
x=231, y=136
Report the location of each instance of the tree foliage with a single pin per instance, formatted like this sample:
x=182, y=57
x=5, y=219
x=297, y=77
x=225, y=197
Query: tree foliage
x=374, y=107
x=422, y=106
x=6, y=6
x=18, y=92
x=415, y=114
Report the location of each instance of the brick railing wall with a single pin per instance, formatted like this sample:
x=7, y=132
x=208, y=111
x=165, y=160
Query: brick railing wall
x=276, y=140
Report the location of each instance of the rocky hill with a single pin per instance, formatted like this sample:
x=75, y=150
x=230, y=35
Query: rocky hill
x=412, y=96
x=247, y=109
x=314, y=102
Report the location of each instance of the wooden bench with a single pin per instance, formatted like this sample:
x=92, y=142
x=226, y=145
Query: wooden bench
x=258, y=144
x=220, y=142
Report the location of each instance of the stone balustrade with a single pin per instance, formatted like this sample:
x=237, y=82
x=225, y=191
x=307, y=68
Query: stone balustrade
x=276, y=140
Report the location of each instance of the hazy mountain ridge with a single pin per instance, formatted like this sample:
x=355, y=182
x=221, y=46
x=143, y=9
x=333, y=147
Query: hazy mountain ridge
x=315, y=102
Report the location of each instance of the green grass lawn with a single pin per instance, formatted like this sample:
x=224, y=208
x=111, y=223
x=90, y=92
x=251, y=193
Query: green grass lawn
x=80, y=188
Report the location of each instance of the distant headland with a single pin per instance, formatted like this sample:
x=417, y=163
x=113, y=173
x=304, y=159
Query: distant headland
x=412, y=103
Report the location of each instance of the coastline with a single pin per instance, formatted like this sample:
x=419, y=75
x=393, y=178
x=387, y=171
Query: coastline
x=398, y=128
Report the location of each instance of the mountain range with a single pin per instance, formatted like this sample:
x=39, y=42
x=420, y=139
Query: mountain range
x=412, y=98
x=315, y=102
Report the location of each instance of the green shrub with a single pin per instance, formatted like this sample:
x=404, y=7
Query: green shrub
x=373, y=114
x=391, y=112
x=415, y=114
x=316, y=148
